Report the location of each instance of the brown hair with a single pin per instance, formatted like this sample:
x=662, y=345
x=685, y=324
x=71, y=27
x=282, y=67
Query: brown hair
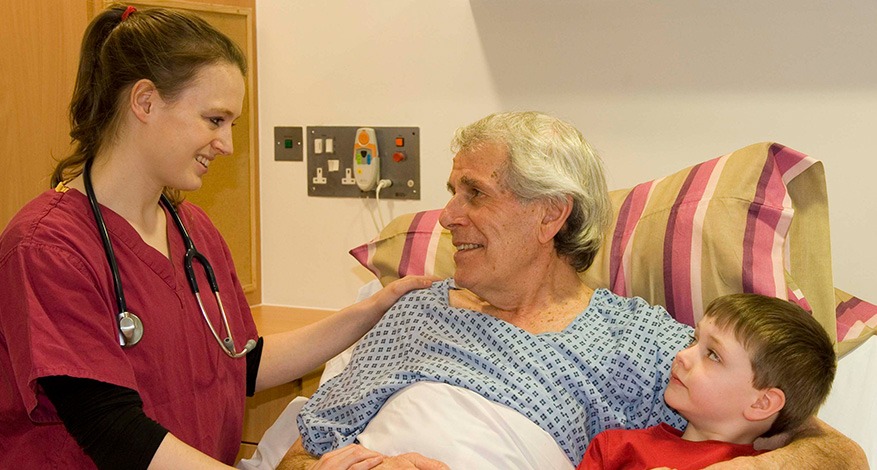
x=788, y=350
x=165, y=46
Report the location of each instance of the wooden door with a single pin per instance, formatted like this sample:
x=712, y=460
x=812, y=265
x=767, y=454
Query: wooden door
x=41, y=51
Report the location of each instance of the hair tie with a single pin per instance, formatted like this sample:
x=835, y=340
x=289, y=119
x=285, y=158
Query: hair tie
x=128, y=12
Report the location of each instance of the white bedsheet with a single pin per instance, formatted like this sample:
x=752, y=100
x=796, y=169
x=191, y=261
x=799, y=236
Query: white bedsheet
x=462, y=429
x=277, y=439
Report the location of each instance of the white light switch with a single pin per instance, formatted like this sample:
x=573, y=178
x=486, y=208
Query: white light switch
x=334, y=165
x=318, y=145
x=330, y=145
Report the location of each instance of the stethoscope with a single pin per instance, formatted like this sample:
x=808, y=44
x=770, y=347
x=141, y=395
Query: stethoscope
x=130, y=326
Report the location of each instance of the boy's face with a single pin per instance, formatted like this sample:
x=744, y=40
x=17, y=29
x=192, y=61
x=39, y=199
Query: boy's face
x=711, y=380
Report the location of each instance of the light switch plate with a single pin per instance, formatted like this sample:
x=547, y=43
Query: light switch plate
x=288, y=144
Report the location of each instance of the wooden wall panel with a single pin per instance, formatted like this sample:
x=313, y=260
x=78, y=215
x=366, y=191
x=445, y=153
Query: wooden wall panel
x=41, y=51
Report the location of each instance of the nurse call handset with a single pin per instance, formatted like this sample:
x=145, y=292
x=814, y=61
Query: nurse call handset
x=366, y=163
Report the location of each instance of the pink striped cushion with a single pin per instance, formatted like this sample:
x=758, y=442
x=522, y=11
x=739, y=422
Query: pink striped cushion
x=717, y=227
x=856, y=319
x=754, y=220
x=410, y=244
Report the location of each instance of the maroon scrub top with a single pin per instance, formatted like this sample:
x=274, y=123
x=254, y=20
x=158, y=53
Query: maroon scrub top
x=58, y=317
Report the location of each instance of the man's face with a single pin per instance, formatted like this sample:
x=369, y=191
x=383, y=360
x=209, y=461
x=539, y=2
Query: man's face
x=494, y=232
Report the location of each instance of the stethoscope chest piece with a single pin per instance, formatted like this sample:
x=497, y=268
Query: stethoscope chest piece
x=130, y=326
x=130, y=329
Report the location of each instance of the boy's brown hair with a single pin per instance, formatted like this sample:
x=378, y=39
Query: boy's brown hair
x=788, y=350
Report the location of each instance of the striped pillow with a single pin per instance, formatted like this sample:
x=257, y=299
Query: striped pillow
x=411, y=244
x=755, y=220
x=856, y=320
x=723, y=226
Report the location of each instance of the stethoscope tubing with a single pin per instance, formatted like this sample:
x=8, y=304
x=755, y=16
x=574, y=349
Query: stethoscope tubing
x=130, y=326
x=105, y=239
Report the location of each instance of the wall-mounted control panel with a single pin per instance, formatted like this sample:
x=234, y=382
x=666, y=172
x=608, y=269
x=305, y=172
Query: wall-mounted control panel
x=344, y=160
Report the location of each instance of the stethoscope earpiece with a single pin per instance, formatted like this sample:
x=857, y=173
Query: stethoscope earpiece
x=130, y=326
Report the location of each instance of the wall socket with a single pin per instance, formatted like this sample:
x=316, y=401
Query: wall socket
x=330, y=161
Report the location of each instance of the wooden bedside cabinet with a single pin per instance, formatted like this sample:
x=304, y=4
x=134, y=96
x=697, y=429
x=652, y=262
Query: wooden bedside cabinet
x=264, y=407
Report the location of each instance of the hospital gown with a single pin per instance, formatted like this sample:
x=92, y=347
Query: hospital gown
x=606, y=370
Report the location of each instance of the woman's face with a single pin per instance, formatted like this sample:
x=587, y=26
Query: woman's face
x=496, y=234
x=196, y=127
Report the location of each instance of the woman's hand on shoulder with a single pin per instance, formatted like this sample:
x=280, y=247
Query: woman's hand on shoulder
x=368, y=312
x=383, y=299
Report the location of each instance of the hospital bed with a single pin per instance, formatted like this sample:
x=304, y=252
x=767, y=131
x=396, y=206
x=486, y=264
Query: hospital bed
x=753, y=220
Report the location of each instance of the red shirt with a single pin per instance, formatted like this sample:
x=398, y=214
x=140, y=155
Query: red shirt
x=58, y=317
x=657, y=446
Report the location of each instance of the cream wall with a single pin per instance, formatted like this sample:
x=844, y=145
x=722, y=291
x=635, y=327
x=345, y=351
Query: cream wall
x=655, y=87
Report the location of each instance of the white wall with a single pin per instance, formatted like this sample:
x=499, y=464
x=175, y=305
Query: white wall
x=655, y=87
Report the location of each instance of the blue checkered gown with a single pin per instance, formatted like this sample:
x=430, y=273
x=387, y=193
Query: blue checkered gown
x=606, y=370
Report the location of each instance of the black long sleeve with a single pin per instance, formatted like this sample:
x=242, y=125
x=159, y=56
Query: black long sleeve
x=106, y=420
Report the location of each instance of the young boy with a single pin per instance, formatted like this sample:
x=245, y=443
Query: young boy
x=757, y=366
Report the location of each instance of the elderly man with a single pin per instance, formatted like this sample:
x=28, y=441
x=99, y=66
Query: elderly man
x=516, y=327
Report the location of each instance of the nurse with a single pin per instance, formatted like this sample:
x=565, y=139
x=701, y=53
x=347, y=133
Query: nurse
x=85, y=384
